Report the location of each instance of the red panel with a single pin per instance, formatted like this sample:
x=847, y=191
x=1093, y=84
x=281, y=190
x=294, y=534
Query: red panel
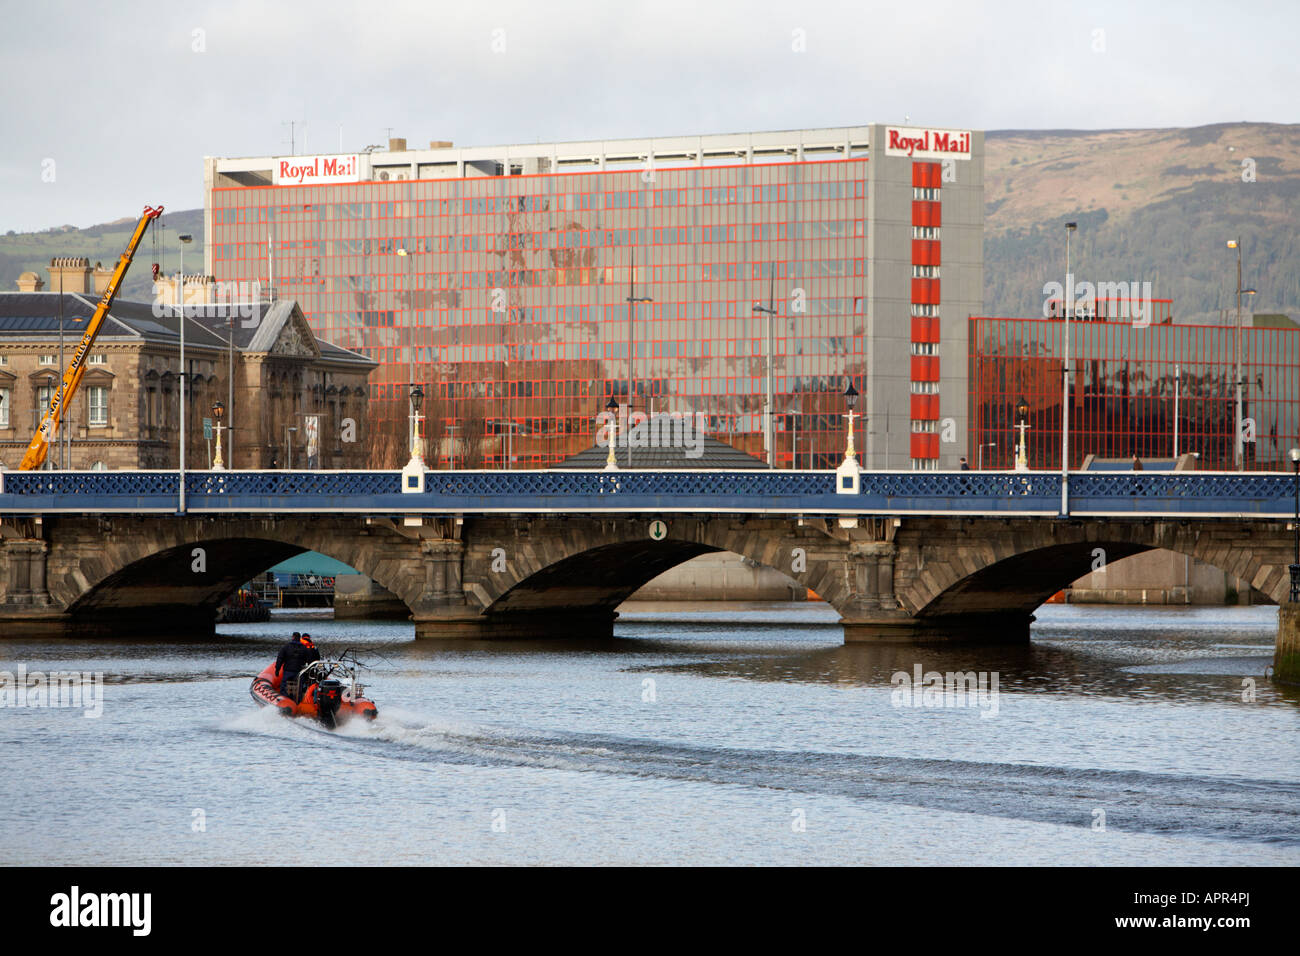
x=925, y=368
x=925, y=291
x=925, y=175
x=925, y=252
x=925, y=328
x=926, y=213
x=925, y=408
x=925, y=445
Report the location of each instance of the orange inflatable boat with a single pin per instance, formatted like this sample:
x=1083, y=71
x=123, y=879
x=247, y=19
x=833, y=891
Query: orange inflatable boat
x=326, y=698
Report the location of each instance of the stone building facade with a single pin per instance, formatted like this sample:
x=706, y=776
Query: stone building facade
x=292, y=393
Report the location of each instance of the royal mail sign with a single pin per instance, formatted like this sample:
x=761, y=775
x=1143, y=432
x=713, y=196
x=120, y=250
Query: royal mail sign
x=316, y=170
x=927, y=143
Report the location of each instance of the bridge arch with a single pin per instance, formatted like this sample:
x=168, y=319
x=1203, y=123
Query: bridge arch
x=584, y=574
x=950, y=573
x=177, y=574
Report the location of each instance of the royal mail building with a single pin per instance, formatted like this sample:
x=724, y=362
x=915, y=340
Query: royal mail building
x=529, y=285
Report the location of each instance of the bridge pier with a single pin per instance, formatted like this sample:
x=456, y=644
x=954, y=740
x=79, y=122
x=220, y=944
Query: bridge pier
x=468, y=624
x=899, y=627
x=1286, y=653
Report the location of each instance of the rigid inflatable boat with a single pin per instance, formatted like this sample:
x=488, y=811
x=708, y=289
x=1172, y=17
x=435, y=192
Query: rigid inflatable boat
x=331, y=696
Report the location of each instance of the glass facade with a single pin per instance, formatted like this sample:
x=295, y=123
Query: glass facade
x=1123, y=387
x=511, y=304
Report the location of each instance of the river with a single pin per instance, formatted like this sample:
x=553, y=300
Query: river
x=701, y=734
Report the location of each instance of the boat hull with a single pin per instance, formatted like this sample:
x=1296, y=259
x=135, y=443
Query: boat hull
x=265, y=691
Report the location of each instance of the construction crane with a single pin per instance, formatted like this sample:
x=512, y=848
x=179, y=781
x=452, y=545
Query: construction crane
x=40, y=445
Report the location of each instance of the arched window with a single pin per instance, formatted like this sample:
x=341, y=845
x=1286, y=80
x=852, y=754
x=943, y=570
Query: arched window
x=99, y=466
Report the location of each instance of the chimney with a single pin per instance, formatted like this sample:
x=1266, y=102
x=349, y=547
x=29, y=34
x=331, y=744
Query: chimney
x=101, y=278
x=30, y=282
x=70, y=274
x=397, y=144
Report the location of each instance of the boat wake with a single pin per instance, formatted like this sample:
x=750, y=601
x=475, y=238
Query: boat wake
x=1256, y=810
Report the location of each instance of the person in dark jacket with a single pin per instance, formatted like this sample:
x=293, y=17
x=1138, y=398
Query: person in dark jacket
x=293, y=657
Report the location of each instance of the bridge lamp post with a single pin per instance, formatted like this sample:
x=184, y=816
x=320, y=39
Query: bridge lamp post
x=611, y=409
x=1067, y=302
x=417, y=446
x=1022, y=452
x=851, y=400
x=288, y=446
x=979, y=454
x=185, y=239
x=218, y=412
x=1295, y=525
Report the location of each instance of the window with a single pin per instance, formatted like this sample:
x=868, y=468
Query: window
x=99, y=466
x=46, y=360
x=97, y=360
x=925, y=272
x=925, y=388
x=4, y=408
x=98, y=399
x=4, y=360
x=925, y=348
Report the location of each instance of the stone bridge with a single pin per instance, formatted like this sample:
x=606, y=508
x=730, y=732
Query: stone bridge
x=891, y=578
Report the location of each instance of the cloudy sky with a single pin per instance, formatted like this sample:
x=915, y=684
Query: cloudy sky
x=109, y=106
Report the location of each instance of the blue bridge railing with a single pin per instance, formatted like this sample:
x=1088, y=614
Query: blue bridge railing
x=785, y=492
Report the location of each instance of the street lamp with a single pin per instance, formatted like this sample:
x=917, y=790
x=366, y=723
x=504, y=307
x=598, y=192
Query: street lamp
x=1067, y=302
x=185, y=239
x=417, y=450
x=1022, y=453
x=288, y=446
x=410, y=361
x=611, y=409
x=850, y=400
x=769, y=424
x=218, y=412
x=979, y=456
x=1295, y=565
x=1239, y=452
x=632, y=300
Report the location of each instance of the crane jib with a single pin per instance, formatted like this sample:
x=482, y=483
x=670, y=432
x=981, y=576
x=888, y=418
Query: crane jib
x=40, y=443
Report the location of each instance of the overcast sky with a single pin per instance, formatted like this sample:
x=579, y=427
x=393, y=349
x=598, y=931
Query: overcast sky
x=117, y=103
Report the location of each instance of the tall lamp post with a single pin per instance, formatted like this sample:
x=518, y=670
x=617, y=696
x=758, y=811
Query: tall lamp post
x=288, y=446
x=1295, y=563
x=1022, y=452
x=185, y=239
x=1067, y=302
x=769, y=429
x=410, y=363
x=632, y=300
x=1238, y=447
x=611, y=409
x=979, y=458
x=218, y=412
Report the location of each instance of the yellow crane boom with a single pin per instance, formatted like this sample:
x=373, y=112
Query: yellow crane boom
x=40, y=445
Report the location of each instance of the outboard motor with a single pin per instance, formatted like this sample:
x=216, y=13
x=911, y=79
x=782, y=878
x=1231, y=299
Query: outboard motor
x=329, y=695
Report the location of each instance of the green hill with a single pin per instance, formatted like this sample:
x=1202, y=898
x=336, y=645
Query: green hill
x=32, y=251
x=1153, y=205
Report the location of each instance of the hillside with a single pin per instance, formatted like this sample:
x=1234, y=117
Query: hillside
x=1151, y=205
x=32, y=251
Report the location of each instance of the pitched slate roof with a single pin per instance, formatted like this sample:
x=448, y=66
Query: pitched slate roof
x=35, y=315
x=713, y=455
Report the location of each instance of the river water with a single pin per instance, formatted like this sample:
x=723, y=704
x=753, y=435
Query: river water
x=701, y=734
